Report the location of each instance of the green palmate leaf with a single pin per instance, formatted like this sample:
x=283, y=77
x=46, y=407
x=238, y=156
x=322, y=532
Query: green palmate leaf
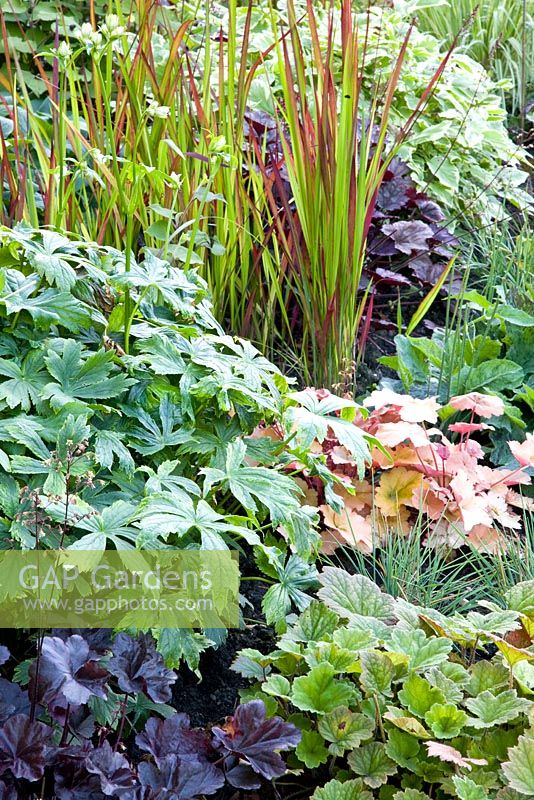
x=315, y=416
x=423, y=651
x=445, y=720
x=466, y=789
x=82, y=376
x=417, y=695
x=153, y=437
x=373, y=764
x=377, y=672
x=181, y=644
x=311, y=749
x=113, y=525
x=47, y=307
x=25, y=382
x=252, y=664
x=344, y=729
x=519, y=769
x=490, y=709
x=295, y=577
x=175, y=512
x=348, y=790
x=108, y=446
x=403, y=748
x=250, y=484
x=354, y=597
x=320, y=691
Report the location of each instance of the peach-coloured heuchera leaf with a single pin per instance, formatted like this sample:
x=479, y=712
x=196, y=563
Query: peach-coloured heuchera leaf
x=523, y=452
x=447, y=753
x=396, y=489
x=410, y=409
x=483, y=405
x=422, y=475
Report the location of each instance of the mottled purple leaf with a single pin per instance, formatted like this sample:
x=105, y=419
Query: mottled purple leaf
x=98, y=639
x=250, y=735
x=409, y=235
x=13, y=700
x=8, y=790
x=112, y=769
x=388, y=276
x=24, y=747
x=165, y=737
x=67, y=667
x=180, y=779
x=72, y=780
x=138, y=667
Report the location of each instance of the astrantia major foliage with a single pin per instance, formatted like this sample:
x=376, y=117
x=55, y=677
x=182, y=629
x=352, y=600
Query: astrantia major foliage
x=154, y=447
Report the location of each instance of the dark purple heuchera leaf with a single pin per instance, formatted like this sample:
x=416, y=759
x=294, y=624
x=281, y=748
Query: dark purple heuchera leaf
x=430, y=211
x=80, y=720
x=138, y=667
x=388, y=276
x=98, y=639
x=5, y=655
x=68, y=667
x=24, y=747
x=13, y=700
x=174, y=736
x=112, y=769
x=393, y=192
x=180, y=779
x=250, y=735
x=8, y=791
x=408, y=235
x=72, y=780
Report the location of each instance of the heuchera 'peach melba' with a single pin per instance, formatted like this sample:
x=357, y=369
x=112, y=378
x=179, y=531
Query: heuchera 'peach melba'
x=424, y=471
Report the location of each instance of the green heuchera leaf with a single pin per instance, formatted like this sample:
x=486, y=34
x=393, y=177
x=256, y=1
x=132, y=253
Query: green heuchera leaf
x=466, y=789
x=445, y=720
x=521, y=598
x=487, y=675
x=316, y=623
x=277, y=685
x=372, y=763
x=377, y=672
x=319, y=691
x=311, y=749
x=354, y=597
x=355, y=639
x=519, y=769
x=342, y=660
x=418, y=696
x=410, y=794
x=490, y=709
x=349, y=790
x=423, y=651
x=402, y=748
x=344, y=729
